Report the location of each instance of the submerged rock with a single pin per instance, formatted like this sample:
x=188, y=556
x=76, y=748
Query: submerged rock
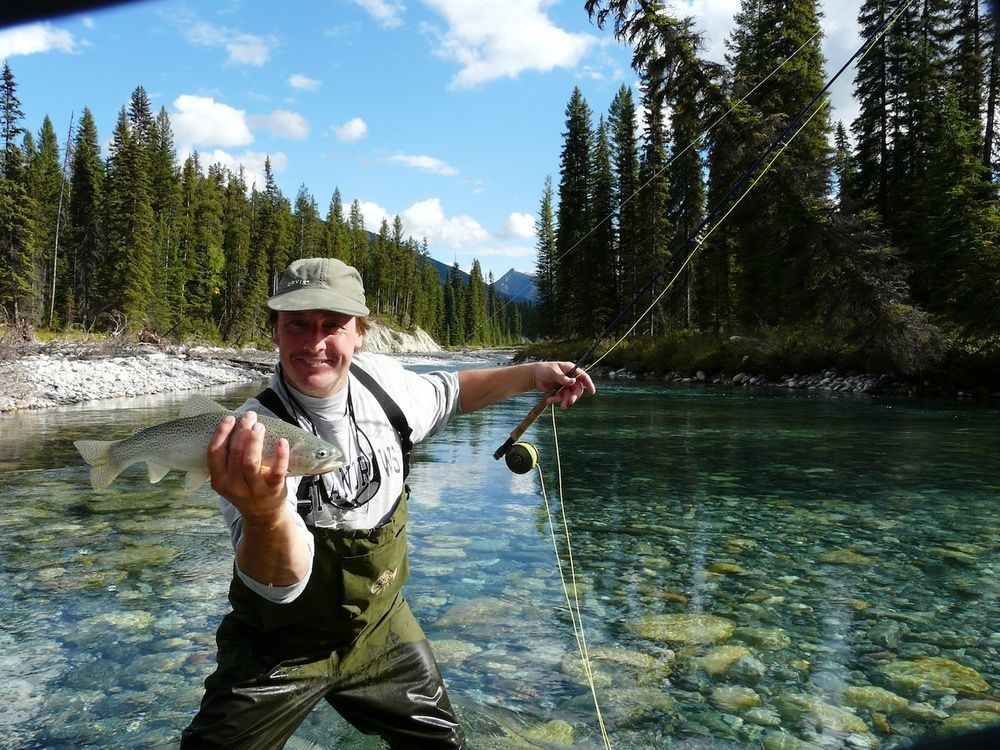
x=875, y=699
x=938, y=673
x=810, y=711
x=732, y=698
x=969, y=722
x=719, y=660
x=685, y=628
x=767, y=639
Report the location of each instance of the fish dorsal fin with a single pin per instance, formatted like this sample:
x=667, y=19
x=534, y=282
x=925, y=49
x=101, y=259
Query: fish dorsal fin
x=201, y=405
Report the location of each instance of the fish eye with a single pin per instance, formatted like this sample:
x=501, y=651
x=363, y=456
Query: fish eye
x=322, y=453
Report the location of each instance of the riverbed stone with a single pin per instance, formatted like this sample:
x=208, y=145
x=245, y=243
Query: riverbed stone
x=766, y=639
x=810, y=711
x=845, y=557
x=875, y=699
x=937, y=672
x=784, y=741
x=734, y=698
x=685, y=628
x=719, y=659
x=453, y=652
x=969, y=721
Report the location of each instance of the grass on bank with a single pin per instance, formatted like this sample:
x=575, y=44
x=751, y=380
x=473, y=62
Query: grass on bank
x=775, y=352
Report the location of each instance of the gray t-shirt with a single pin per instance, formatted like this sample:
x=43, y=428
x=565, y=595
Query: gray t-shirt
x=427, y=400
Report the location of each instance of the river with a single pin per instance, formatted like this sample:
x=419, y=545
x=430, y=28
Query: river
x=754, y=569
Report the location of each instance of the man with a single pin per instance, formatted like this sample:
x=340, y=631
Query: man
x=320, y=562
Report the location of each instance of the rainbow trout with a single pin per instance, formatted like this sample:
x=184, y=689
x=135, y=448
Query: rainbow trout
x=182, y=444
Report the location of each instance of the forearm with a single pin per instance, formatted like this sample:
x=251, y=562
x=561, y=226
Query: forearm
x=481, y=388
x=275, y=551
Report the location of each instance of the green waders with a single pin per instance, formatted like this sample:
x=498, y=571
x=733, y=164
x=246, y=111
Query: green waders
x=349, y=638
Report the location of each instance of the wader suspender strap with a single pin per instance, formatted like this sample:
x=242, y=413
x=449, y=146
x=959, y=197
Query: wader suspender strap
x=270, y=401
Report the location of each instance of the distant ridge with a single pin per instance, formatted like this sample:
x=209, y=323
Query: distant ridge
x=514, y=285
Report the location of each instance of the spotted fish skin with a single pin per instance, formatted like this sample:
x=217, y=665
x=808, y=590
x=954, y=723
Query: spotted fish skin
x=182, y=444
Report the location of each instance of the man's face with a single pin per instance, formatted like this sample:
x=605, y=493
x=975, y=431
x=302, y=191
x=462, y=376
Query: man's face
x=315, y=348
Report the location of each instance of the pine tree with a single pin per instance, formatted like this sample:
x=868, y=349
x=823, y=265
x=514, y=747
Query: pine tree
x=86, y=247
x=128, y=227
x=599, y=274
x=17, y=229
x=475, y=306
x=654, y=199
x=844, y=168
x=239, y=303
x=686, y=185
x=165, y=200
x=625, y=165
x=336, y=242
x=573, y=220
x=545, y=232
x=45, y=181
x=788, y=206
x=454, y=308
x=308, y=227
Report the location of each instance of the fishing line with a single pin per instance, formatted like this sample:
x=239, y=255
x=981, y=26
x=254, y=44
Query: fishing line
x=692, y=237
x=661, y=170
x=573, y=603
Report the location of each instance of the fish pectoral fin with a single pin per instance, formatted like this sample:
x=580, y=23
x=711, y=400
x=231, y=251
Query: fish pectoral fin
x=156, y=471
x=195, y=479
x=198, y=405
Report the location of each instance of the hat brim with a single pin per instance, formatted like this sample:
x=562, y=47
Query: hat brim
x=316, y=299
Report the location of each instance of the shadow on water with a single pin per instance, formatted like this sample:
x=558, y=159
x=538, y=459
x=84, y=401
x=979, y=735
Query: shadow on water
x=754, y=570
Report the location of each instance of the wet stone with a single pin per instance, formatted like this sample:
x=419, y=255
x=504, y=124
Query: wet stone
x=875, y=699
x=766, y=639
x=735, y=699
x=938, y=673
x=969, y=721
x=721, y=658
x=685, y=628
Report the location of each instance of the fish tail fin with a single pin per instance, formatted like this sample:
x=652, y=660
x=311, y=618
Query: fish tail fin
x=97, y=453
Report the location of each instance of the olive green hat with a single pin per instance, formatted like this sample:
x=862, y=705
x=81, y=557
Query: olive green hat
x=320, y=284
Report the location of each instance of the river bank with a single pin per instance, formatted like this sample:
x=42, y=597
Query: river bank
x=39, y=375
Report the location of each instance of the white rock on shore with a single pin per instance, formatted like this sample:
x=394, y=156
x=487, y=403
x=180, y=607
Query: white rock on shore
x=69, y=374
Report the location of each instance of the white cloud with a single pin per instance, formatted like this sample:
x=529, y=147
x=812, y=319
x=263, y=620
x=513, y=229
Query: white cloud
x=353, y=130
x=304, y=83
x=520, y=225
x=373, y=214
x=425, y=163
x=386, y=12
x=493, y=39
x=427, y=219
x=242, y=48
x=34, y=38
x=251, y=161
x=202, y=121
x=283, y=124
x=89, y=22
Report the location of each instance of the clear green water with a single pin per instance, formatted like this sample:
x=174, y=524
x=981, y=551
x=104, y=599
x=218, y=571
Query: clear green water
x=851, y=546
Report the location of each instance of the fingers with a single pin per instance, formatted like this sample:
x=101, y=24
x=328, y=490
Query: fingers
x=570, y=387
x=235, y=460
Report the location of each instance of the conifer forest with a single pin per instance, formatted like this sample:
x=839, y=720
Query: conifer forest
x=870, y=243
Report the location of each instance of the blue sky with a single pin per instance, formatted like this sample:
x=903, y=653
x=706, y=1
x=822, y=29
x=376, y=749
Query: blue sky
x=449, y=113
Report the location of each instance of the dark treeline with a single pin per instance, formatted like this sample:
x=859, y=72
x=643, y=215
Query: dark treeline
x=141, y=243
x=879, y=249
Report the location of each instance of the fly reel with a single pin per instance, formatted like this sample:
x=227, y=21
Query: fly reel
x=521, y=458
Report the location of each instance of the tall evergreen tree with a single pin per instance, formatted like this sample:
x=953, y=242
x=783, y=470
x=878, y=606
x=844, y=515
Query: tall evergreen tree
x=789, y=205
x=686, y=184
x=86, y=229
x=545, y=232
x=17, y=227
x=128, y=227
x=599, y=274
x=45, y=185
x=625, y=166
x=165, y=200
x=573, y=220
x=308, y=226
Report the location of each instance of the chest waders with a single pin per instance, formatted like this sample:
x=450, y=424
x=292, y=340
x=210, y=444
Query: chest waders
x=349, y=638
